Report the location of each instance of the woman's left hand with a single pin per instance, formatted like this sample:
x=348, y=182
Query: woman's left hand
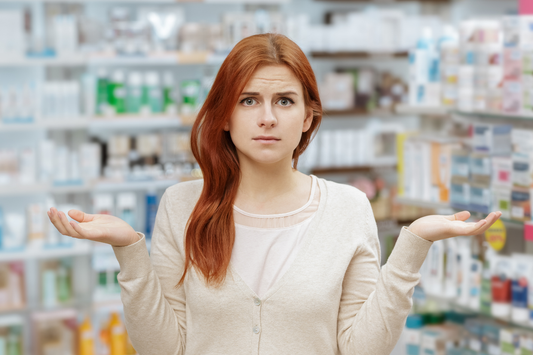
x=437, y=227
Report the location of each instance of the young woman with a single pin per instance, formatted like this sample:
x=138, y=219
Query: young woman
x=258, y=258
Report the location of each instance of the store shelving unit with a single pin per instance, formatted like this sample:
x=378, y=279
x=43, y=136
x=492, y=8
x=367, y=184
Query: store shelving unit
x=100, y=123
x=84, y=187
x=45, y=253
x=353, y=169
x=443, y=112
x=422, y=110
x=447, y=206
x=377, y=54
x=453, y=304
x=153, y=59
x=357, y=112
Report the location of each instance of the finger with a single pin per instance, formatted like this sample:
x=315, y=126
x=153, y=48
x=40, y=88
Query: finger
x=491, y=218
x=80, y=216
x=85, y=233
x=459, y=216
x=482, y=225
x=54, y=218
x=70, y=231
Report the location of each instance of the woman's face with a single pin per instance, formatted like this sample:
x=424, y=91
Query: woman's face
x=270, y=116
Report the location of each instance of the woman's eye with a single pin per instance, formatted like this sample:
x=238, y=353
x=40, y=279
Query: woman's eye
x=248, y=102
x=285, y=102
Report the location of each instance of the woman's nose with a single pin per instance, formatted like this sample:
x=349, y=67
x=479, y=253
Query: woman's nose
x=267, y=118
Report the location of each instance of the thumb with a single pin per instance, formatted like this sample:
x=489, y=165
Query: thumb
x=459, y=216
x=80, y=216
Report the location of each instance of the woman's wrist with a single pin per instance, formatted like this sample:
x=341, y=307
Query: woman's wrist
x=134, y=238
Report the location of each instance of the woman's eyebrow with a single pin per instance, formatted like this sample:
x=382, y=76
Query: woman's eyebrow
x=278, y=93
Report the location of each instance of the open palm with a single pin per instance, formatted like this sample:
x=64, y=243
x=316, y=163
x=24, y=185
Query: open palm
x=437, y=227
x=98, y=227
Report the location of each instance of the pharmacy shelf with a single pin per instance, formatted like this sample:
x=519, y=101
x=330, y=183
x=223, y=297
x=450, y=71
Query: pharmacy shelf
x=47, y=124
x=135, y=122
x=353, y=169
x=92, y=1
x=452, y=302
x=96, y=124
x=422, y=203
x=78, y=60
x=439, y=111
x=444, y=205
x=98, y=186
x=151, y=2
x=377, y=54
x=356, y=112
x=45, y=253
x=436, y=111
x=133, y=185
x=73, y=61
x=484, y=115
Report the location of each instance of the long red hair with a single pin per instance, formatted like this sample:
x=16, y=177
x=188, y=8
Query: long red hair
x=210, y=232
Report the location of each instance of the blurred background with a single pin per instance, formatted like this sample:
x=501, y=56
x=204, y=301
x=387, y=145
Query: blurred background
x=428, y=109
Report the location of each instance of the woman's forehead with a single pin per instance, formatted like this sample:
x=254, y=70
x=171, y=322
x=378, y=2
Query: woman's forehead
x=273, y=78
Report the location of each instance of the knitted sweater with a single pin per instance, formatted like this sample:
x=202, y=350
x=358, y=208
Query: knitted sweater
x=333, y=299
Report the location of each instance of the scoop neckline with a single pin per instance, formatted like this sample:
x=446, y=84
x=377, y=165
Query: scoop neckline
x=286, y=214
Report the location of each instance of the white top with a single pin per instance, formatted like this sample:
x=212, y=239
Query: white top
x=265, y=245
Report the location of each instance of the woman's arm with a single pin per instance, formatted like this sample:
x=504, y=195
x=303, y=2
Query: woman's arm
x=154, y=310
x=375, y=304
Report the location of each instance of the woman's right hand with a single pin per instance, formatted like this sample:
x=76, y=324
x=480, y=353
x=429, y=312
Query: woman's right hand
x=102, y=228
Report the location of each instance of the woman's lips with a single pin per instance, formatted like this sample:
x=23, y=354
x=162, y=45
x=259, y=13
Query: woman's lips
x=267, y=140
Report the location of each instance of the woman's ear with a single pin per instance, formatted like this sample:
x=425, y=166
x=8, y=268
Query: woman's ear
x=308, y=119
x=226, y=127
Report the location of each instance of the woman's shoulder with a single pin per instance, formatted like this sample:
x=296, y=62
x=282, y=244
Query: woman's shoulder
x=344, y=191
x=186, y=191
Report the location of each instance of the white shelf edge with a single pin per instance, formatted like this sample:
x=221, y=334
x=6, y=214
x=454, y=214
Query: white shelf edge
x=166, y=59
x=102, y=185
x=422, y=203
x=41, y=254
x=97, y=123
x=422, y=110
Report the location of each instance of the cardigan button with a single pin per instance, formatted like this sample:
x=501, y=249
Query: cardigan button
x=256, y=329
x=257, y=302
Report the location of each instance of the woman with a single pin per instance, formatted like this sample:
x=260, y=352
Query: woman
x=258, y=258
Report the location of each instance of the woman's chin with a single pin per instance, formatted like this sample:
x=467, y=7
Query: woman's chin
x=266, y=159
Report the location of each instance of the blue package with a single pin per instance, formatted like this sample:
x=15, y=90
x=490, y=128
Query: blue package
x=151, y=211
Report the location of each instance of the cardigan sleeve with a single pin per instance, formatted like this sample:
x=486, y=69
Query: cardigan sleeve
x=154, y=309
x=375, y=303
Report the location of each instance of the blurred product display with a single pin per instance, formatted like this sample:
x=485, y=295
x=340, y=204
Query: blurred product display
x=427, y=109
x=480, y=65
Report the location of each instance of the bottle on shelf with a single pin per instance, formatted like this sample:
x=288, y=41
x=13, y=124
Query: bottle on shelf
x=117, y=335
x=86, y=341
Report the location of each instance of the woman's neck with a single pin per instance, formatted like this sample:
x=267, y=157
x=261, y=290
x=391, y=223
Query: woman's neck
x=271, y=189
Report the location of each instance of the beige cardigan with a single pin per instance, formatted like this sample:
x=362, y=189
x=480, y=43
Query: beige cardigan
x=332, y=300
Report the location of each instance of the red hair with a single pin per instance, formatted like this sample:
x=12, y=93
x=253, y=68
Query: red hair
x=210, y=232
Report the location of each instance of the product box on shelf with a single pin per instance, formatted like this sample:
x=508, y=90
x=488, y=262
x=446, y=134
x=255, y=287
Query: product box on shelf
x=460, y=192
x=12, y=333
x=12, y=286
x=441, y=168
x=501, y=201
x=520, y=204
x=492, y=139
x=480, y=167
x=480, y=197
x=54, y=332
x=512, y=96
x=502, y=172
